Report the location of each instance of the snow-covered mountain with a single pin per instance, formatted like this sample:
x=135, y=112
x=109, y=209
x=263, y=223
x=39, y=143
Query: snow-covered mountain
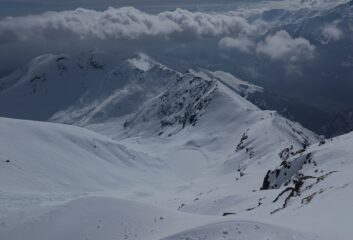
x=118, y=93
x=143, y=99
x=50, y=83
x=184, y=156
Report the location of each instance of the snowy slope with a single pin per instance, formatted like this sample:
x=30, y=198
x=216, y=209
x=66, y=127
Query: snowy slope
x=189, y=143
x=102, y=218
x=323, y=198
x=51, y=82
x=64, y=182
x=139, y=96
x=46, y=157
x=321, y=202
x=324, y=167
x=200, y=113
x=118, y=93
x=30, y=209
x=111, y=218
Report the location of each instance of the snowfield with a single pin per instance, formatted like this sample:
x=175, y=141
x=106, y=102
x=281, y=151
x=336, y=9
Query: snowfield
x=171, y=156
x=51, y=157
x=111, y=218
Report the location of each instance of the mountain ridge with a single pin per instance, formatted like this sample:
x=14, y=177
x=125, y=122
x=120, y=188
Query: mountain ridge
x=189, y=143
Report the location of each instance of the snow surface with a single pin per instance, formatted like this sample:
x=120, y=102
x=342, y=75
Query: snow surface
x=64, y=182
x=172, y=156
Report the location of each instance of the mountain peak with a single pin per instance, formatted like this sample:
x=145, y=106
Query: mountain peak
x=142, y=61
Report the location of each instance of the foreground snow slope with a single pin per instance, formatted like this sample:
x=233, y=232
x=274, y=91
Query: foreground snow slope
x=46, y=157
x=111, y=218
x=102, y=218
x=64, y=182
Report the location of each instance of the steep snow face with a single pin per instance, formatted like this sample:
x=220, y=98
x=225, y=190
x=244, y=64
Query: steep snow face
x=202, y=112
x=327, y=161
x=239, y=86
x=181, y=104
x=119, y=93
x=317, y=181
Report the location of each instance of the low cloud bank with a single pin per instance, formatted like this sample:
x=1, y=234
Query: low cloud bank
x=277, y=46
x=129, y=29
x=123, y=23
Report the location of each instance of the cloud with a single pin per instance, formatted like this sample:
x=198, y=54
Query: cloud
x=179, y=33
x=331, y=32
x=122, y=23
x=242, y=43
x=278, y=46
x=281, y=46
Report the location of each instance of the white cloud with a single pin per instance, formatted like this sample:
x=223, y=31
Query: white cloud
x=331, y=32
x=281, y=46
x=123, y=23
x=241, y=43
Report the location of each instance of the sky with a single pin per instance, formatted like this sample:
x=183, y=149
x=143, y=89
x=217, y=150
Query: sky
x=195, y=28
x=28, y=30
x=21, y=7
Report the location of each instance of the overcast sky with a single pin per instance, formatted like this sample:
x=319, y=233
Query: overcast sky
x=146, y=26
x=21, y=7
